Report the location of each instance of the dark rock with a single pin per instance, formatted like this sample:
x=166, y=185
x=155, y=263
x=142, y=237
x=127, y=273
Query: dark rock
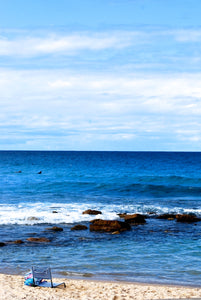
x=91, y=212
x=33, y=219
x=135, y=219
x=79, y=227
x=55, y=212
x=166, y=217
x=2, y=244
x=17, y=242
x=38, y=240
x=151, y=213
x=40, y=172
x=55, y=228
x=108, y=226
x=122, y=216
x=185, y=218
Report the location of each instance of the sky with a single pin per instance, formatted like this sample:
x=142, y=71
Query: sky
x=113, y=75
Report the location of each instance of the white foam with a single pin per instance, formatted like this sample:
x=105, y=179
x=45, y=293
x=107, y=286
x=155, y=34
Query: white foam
x=58, y=213
x=39, y=213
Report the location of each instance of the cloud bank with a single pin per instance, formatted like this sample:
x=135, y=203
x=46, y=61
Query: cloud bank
x=112, y=90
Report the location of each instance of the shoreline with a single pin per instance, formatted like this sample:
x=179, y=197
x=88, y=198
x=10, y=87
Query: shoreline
x=12, y=287
x=60, y=277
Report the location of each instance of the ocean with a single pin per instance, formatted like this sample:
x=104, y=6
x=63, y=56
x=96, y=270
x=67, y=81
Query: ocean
x=41, y=189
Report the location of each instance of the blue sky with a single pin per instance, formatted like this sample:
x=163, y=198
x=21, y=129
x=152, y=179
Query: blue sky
x=100, y=75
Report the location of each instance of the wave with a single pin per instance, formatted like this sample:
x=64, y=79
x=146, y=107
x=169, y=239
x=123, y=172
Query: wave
x=60, y=213
x=113, y=185
x=160, y=189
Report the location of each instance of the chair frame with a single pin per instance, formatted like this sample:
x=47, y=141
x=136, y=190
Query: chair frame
x=44, y=273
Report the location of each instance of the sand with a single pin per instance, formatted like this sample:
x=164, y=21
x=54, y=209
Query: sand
x=12, y=287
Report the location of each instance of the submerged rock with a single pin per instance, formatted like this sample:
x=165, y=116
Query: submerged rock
x=185, y=218
x=108, y=226
x=55, y=228
x=79, y=227
x=92, y=212
x=38, y=240
x=16, y=242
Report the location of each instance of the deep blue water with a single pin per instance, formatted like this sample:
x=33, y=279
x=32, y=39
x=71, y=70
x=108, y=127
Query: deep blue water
x=151, y=183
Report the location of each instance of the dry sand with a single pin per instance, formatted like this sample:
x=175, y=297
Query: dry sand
x=12, y=287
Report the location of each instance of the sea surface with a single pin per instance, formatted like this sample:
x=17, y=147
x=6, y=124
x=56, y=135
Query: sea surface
x=39, y=190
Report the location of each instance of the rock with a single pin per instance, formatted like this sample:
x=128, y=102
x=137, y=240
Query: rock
x=185, y=218
x=166, y=216
x=91, y=212
x=33, y=219
x=38, y=240
x=135, y=219
x=79, y=227
x=122, y=216
x=108, y=226
x=151, y=213
x=40, y=172
x=55, y=212
x=55, y=228
x=2, y=244
x=17, y=242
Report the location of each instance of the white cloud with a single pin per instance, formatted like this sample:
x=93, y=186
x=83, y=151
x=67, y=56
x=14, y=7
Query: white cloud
x=191, y=135
x=79, y=88
x=67, y=44
x=35, y=43
x=187, y=35
x=45, y=90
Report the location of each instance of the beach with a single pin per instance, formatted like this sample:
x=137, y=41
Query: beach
x=12, y=287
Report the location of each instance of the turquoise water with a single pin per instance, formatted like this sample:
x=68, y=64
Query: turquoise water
x=151, y=183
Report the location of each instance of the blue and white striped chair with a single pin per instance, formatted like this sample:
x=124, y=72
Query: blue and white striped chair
x=39, y=274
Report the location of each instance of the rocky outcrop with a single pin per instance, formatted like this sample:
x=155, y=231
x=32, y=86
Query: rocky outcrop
x=2, y=244
x=166, y=217
x=109, y=226
x=135, y=219
x=38, y=240
x=55, y=228
x=79, y=227
x=185, y=218
x=91, y=212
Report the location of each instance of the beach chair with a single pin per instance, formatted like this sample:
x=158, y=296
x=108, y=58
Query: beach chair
x=39, y=273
